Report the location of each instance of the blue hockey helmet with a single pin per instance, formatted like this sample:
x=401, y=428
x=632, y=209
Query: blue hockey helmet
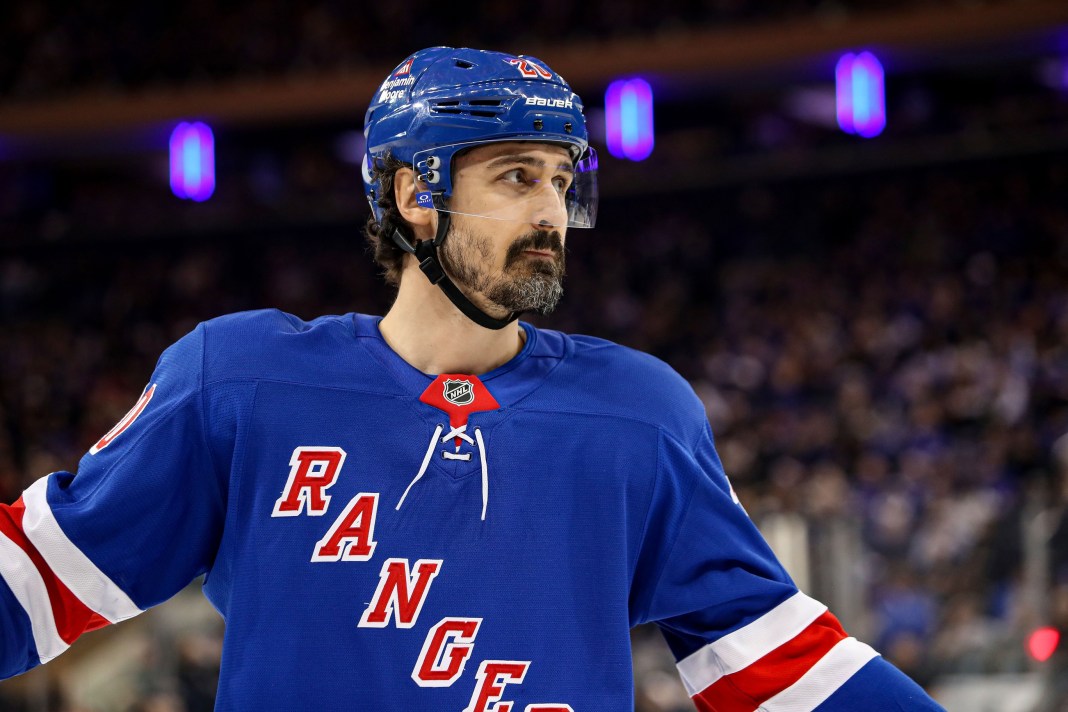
x=441, y=100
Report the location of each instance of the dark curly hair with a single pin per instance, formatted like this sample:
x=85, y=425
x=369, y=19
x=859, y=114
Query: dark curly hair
x=388, y=255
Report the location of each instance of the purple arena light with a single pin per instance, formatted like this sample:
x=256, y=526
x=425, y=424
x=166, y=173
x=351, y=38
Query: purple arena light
x=628, y=109
x=861, y=94
x=192, y=161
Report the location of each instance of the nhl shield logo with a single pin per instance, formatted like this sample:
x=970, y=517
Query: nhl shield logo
x=458, y=392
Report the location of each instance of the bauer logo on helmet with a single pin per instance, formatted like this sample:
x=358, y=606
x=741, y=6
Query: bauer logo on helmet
x=542, y=101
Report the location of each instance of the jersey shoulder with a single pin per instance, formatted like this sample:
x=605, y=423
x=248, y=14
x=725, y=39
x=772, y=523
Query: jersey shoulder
x=618, y=381
x=271, y=344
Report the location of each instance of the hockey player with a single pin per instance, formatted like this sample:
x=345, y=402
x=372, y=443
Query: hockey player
x=444, y=509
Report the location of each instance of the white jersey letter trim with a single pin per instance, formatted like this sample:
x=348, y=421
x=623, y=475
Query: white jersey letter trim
x=22, y=577
x=70, y=565
x=740, y=649
x=842, y=662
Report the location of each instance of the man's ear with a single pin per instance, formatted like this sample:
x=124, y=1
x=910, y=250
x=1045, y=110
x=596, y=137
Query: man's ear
x=424, y=221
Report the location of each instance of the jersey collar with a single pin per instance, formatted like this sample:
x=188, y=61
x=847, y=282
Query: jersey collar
x=509, y=383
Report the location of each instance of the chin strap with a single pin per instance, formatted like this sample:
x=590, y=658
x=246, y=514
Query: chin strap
x=426, y=251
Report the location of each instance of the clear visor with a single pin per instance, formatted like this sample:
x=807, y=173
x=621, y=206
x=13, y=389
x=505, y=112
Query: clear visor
x=537, y=186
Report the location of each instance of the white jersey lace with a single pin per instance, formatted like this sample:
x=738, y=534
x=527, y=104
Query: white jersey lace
x=454, y=432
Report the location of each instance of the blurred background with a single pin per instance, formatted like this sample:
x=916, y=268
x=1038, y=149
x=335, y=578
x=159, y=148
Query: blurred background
x=845, y=222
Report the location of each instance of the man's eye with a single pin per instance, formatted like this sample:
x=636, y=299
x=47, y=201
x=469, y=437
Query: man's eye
x=561, y=184
x=515, y=176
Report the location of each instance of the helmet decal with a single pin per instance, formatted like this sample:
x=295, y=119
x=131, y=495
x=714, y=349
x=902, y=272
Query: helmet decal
x=528, y=68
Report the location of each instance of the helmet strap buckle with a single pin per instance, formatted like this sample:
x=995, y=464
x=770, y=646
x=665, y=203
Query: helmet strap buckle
x=427, y=254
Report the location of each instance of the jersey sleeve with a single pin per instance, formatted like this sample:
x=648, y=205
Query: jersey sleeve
x=743, y=636
x=141, y=518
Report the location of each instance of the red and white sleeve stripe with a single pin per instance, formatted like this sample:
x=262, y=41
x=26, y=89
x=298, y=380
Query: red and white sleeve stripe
x=63, y=593
x=790, y=659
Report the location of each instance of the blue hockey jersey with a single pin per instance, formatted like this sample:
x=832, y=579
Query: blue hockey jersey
x=382, y=540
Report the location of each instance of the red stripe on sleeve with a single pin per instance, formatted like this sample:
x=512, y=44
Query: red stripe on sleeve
x=72, y=617
x=747, y=689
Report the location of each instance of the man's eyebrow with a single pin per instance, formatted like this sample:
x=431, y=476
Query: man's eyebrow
x=524, y=159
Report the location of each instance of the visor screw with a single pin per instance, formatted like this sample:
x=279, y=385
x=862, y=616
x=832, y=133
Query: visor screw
x=433, y=162
x=538, y=124
x=567, y=128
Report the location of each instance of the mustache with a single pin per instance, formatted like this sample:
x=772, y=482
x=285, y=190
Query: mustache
x=536, y=240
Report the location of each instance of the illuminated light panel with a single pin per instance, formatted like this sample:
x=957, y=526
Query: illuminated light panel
x=1043, y=643
x=192, y=161
x=861, y=94
x=628, y=109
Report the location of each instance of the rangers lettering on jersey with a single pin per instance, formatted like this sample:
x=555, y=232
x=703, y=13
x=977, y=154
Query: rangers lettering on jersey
x=312, y=471
x=402, y=588
x=493, y=676
x=351, y=538
x=447, y=647
x=399, y=595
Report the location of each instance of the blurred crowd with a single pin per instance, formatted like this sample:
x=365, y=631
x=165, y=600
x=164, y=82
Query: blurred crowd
x=52, y=47
x=888, y=350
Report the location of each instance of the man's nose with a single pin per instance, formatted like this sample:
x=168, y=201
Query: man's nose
x=547, y=208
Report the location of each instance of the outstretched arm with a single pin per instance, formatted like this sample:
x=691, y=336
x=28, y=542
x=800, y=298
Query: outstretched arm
x=743, y=636
x=139, y=520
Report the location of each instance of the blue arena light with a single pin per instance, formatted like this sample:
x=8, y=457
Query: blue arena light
x=861, y=94
x=628, y=109
x=192, y=161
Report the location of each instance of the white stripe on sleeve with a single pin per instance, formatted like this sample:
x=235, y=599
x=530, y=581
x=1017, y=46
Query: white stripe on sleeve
x=24, y=580
x=70, y=565
x=822, y=680
x=740, y=649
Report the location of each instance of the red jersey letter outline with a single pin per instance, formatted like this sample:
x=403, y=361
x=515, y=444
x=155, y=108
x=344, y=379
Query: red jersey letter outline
x=399, y=595
x=352, y=536
x=441, y=663
x=312, y=471
x=127, y=421
x=493, y=676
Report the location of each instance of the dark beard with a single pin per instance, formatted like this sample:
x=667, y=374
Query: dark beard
x=526, y=284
